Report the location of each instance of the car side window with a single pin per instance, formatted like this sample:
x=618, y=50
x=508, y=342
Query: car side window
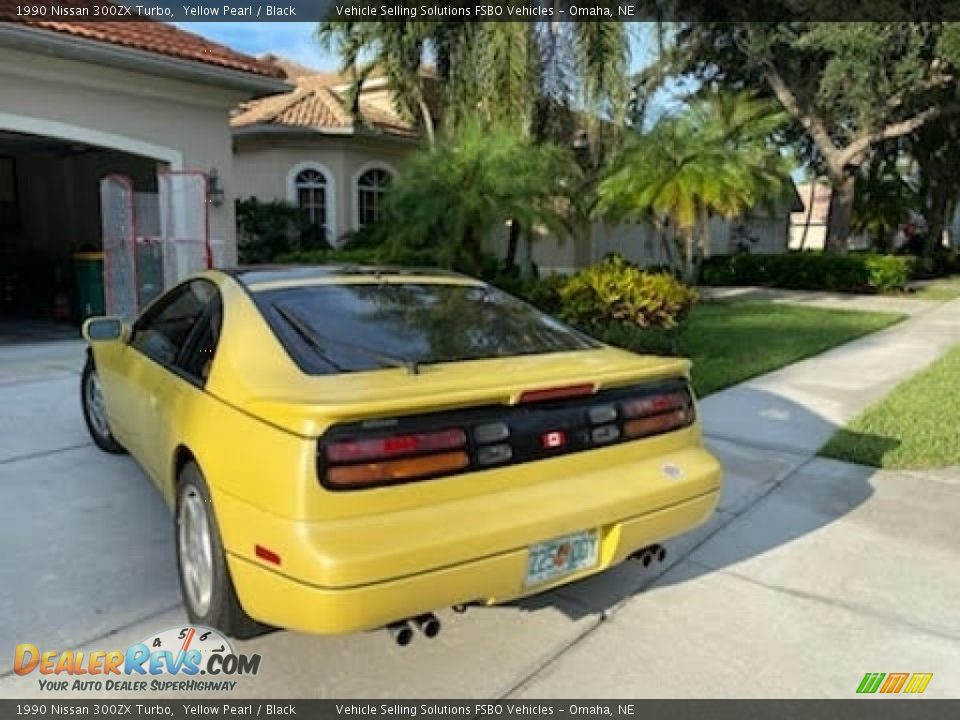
x=161, y=333
x=197, y=355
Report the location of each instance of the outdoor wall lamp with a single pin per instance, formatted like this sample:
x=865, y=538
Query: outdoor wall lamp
x=214, y=189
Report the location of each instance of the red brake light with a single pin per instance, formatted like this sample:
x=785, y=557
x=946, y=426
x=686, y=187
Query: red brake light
x=659, y=413
x=396, y=458
x=655, y=404
x=396, y=446
x=557, y=393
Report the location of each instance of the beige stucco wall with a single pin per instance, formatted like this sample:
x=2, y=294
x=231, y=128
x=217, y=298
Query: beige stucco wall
x=183, y=124
x=263, y=165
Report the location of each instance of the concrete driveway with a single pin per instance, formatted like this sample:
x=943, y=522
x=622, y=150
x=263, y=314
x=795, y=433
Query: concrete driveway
x=811, y=573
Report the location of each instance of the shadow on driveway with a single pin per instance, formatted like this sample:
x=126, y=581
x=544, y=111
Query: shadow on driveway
x=753, y=474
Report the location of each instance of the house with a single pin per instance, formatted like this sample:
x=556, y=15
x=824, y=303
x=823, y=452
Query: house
x=808, y=226
x=114, y=137
x=306, y=147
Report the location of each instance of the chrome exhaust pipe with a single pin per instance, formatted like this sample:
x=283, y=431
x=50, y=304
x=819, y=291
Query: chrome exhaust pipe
x=428, y=624
x=647, y=555
x=401, y=632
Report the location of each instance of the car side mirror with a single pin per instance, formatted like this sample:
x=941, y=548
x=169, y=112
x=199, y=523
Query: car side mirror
x=104, y=329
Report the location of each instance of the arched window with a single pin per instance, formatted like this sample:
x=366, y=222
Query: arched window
x=311, y=189
x=371, y=188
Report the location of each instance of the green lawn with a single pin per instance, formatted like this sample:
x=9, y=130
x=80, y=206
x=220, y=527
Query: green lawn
x=940, y=290
x=915, y=426
x=732, y=341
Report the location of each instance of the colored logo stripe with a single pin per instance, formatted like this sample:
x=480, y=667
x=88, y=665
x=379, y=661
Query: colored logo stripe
x=870, y=682
x=894, y=683
x=918, y=683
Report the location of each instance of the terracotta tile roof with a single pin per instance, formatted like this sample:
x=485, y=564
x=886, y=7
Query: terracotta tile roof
x=157, y=37
x=317, y=103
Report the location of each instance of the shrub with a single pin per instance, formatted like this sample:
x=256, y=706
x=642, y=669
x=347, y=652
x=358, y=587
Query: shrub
x=616, y=291
x=267, y=230
x=854, y=272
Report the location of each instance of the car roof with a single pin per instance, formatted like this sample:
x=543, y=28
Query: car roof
x=256, y=276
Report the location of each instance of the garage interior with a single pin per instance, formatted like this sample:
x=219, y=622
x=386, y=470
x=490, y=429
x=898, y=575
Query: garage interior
x=51, y=230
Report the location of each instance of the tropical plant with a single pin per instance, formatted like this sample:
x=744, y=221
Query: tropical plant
x=615, y=291
x=267, y=230
x=715, y=158
x=849, y=87
x=456, y=194
x=553, y=82
x=884, y=201
x=502, y=73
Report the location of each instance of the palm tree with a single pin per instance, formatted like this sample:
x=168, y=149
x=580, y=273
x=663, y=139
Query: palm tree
x=505, y=73
x=715, y=159
x=455, y=194
x=545, y=80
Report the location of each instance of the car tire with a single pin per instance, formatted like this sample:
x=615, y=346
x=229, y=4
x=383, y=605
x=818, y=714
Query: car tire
x=205, y=583
x=94, y=411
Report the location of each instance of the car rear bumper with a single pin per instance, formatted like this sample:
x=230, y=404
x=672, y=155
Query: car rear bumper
x=333, y=577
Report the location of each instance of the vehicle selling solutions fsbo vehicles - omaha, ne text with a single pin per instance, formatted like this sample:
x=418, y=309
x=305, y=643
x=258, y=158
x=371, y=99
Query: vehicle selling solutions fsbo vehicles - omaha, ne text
x=346, y=448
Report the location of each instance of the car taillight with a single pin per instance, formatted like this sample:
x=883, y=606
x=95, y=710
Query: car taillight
x=395, y=458
x=549, y=423
x=412, y=444
x=658, y=413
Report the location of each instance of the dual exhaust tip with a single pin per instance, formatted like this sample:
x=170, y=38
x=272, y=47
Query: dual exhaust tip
x=647, y=555
x=402, y=631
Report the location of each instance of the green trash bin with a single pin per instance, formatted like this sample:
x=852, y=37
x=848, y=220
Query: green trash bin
x=88, y=267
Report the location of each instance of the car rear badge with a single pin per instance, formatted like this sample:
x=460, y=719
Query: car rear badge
x=553, y=439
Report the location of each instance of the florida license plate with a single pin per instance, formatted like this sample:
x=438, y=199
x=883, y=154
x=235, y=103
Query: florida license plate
x=562, y=556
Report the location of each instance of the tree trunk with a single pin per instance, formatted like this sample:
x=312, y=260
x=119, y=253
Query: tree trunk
x=841, y=212
x=809, y=216
x=689, y=240
x=513, y=242
x=427, y=117
x=936, y=218
x=526, y=257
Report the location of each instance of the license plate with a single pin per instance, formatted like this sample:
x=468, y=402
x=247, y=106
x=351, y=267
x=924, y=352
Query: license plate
x=562, y=556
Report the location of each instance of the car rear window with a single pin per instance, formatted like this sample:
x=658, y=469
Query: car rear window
x=329, y=329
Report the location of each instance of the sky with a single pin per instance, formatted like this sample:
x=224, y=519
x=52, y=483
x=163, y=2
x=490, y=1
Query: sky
x=291, y=40
x=295, y=41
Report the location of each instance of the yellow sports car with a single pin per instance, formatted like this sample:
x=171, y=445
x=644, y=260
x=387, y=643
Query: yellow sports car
x=350, y=448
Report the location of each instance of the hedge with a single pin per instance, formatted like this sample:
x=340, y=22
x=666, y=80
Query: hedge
x=853, y=272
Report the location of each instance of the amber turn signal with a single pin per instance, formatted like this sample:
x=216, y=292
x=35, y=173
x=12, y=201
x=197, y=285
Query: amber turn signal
x=656, y=424
x=376, y=473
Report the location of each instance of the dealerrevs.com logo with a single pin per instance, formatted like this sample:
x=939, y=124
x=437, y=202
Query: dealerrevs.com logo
x=178, y=659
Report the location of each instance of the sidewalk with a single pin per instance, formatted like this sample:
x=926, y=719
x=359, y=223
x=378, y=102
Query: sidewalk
x=812, y=571
x=820, y=298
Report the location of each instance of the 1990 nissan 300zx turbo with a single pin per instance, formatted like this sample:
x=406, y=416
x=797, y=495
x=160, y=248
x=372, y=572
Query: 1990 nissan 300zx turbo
x=346, y=448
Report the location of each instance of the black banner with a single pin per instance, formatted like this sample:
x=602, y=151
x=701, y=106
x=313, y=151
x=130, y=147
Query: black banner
x=479, y=10
x=875, y=709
